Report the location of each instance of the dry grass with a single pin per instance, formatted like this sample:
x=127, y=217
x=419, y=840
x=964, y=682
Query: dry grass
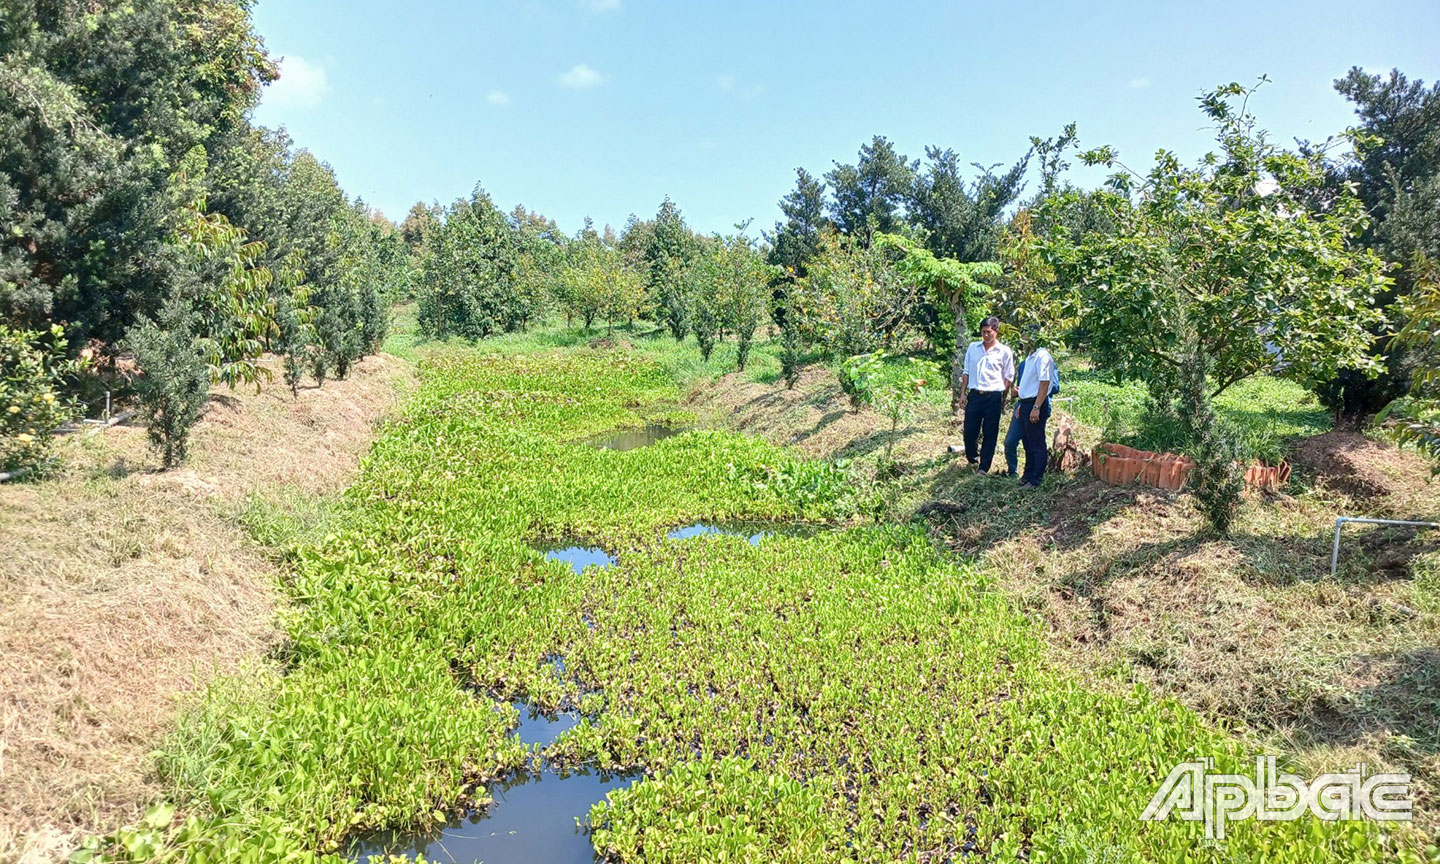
x=1251, y=630
x=126, y=588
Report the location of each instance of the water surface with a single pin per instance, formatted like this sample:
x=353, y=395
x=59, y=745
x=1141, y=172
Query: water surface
x=753, y=532
x=535, y=820
x=580, y=557
x=634, y=439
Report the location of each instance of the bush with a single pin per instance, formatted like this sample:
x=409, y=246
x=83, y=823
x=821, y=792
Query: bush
x=31, y=408
x=791, y=352
x=175, y=383
x=1218, y=479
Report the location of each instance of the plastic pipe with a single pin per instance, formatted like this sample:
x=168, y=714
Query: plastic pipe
x=1340, y=523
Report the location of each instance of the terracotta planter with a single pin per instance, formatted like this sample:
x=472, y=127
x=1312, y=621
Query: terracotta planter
x=1119, y=465
x=1267, y=477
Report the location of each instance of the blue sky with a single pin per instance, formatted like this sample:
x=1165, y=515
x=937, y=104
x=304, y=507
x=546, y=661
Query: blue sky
x=603, y=107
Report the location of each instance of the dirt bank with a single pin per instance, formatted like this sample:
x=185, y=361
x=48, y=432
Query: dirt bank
x=125, y=588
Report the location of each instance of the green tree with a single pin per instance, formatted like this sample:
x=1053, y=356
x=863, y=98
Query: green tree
x=174, y=383
x=1396, y=172
x=33, y=367
x=1228, y=251
x=957, y=286
x=796, y=240
x=668, y=257
x=469, y=271
x=870, y=195
x=852, y=300
x=100, y=102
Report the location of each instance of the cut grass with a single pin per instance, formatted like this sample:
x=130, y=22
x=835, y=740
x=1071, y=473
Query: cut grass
x=125, y=587
x=852, y=695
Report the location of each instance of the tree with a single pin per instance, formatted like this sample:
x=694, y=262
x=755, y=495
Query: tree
x=796, y=240
x=469, y=273
x=668, y=256
x=1396, y=172
x=101, y=101
x=963, y=221
x=1028, y=299
x=957, y=285
x=595, y=280
x=1227, y=251
x=1417, y=418
x=32, y=399
x=852, y=300
x=175, y=378
x=874, y=189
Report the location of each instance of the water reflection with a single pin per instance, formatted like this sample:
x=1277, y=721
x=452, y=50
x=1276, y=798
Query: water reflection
x=537, y=818
x=580, y=557
x=633, y=439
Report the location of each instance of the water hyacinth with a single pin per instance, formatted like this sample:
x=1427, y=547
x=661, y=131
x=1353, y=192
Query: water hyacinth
x=845, y=694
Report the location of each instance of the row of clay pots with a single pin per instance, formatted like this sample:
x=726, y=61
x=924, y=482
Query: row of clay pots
x=1119, y=465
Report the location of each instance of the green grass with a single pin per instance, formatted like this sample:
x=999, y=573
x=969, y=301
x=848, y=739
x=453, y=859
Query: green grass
x=1270, y=411
x=851, y=695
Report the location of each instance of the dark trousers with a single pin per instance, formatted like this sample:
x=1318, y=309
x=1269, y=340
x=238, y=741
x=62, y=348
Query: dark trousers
x=1037, y=451
x=982, y=418
x=1012, y=443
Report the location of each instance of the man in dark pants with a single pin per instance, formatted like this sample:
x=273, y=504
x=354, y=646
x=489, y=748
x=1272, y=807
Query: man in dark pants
x=1034, y=388
x=989, y=373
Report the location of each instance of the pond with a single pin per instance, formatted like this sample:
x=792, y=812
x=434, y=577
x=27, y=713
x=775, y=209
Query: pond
x=580, y=557
x=753, y=532
x=536, y=819
x=634, y=439
x=537, y=814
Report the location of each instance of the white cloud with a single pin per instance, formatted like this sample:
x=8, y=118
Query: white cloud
x=1139, y=83
x=581, y=77
x=599, y=6
x=497, y=97
x=731, y=84
x=302, y=84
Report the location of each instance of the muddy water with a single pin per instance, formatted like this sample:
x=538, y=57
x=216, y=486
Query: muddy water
x=634, y=439
x=536, y=817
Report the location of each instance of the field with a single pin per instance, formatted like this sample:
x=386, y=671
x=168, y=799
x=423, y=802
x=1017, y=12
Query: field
x=853, y=692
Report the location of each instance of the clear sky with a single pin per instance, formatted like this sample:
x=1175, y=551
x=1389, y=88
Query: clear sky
x=603, y=107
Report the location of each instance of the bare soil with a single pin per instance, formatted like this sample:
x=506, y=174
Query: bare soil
x=126, y=588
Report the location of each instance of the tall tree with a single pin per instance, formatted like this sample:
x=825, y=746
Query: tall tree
x=668, y=257
x=1396, y=172
x=963, y=221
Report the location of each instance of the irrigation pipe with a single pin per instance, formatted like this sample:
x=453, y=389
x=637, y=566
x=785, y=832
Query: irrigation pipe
x=1340, y=523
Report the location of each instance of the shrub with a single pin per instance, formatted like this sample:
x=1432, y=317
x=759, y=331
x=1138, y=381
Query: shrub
x=175, y=383
x=790, y=356
x=1218, y=479
x=31, y=407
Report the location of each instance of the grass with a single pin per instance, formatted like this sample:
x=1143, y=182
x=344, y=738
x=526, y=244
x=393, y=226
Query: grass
x=1270, y=412
x=126, y=589
x=857, y=694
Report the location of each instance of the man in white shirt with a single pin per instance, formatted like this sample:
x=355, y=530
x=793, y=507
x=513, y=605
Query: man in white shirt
x=989, y=372
x=1034, y=388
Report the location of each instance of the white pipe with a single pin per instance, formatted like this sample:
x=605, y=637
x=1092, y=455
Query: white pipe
x=1340, y=523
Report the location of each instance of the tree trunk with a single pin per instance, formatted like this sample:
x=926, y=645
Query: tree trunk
x=957, y=358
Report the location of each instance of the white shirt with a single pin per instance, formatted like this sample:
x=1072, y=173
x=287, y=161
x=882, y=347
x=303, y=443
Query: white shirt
x=1039, y=366
x=989, y=369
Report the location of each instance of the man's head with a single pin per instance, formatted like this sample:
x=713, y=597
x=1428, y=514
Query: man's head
x=990, y=330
